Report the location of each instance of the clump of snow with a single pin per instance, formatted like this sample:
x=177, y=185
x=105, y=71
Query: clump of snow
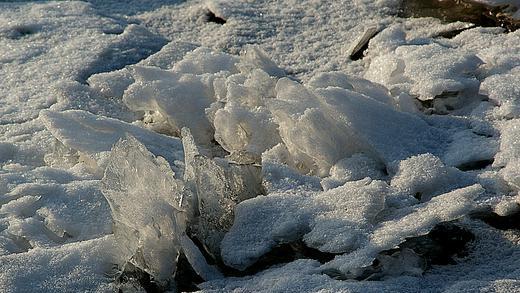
x=504, y=90
x=341, y=220
x=353, y=168
x=425, y=176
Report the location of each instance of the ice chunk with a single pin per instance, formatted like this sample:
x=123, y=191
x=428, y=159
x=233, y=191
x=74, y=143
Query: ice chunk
x=144, y=197
x=98, y=134
x=353, y=83
x=149, y=215
x=321, y=127
x=467, y=148
x=333, y=221
x=279, y=172
x=180, y=98
x=511, y=173
x=428, y=71
x=245, y=133
x=504, y=90
x=111, y=84
x=414, y=221
x=218, y=186
x=425, y=176
x=509, y=143
x=254, y=57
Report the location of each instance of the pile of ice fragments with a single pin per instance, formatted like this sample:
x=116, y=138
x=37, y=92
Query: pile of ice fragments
x=230, y=159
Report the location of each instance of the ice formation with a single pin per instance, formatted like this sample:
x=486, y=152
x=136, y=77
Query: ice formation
x=210, y=149
x=148, y=213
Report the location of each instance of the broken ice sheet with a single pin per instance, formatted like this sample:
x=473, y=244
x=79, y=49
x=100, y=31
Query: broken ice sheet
x=183, y=93
x=321, y=127
x=341, y=220
x=149, y=218
x=408, y=222
x=98, y=134
x=333, y=221
x=426, y=71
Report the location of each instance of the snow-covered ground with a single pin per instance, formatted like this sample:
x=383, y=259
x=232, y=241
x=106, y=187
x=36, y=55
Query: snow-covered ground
x=241, y=136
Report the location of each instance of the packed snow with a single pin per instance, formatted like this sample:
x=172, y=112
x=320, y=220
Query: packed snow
x=234, y=146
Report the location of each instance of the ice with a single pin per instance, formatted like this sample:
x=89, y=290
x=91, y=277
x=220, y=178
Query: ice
x=295, y=146
x=180, y=98
x=427, y=72
x=334, y=222
x=72, y=267
x=205, y=60
x=148, y=219
x=100, y=133
x=279, y=172
x=351, y=82
x=334, y=125
x=219, y=186
x=111, y=84
x=148, y=212
x=417, y=220
x=254, y=57
x=503, y=89
x=468, y=147
x=263, y=222
x=245, y=133
x=509, y=143
x=353, y=168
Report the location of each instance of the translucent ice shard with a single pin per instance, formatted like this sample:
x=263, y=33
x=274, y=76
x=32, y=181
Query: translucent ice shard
x=180, y=98
x=149, y=218
x=219, y=186
x=321, y=127
x=144, y=198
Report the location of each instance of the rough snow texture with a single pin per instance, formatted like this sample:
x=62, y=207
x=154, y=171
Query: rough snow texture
x=274, y=87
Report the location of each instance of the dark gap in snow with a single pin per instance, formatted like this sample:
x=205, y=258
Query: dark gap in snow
x=113, y=31
x=129, y=50
x=461, y=10
x=414, y=256
x=359, y=50
x=476, y=165
x=21, y=243
x=186, y=278
x=444, y=242
x=494, y=220
x=282, y=254
x=454, y=33
x=22, y=31
x=211, y=17
x=136, y=280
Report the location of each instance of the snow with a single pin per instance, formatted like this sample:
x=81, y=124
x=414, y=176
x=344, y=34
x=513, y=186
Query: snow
x=135, y=134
